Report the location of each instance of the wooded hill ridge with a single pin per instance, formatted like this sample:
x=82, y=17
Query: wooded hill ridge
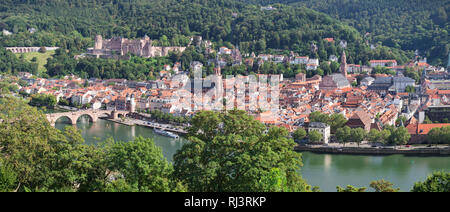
x=402, y=24
x=73, y=24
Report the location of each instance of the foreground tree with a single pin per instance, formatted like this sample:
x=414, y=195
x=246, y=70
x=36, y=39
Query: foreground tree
x=141, y=166
x=8, y=178
x=383, y=186
x=437, y=182
x=230, y=152
x=350, y=188
x=44, y=158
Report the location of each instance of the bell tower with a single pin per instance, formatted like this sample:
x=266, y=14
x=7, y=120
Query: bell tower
x=343, y=68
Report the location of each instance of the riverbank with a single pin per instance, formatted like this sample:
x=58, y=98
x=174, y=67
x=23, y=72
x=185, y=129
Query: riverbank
x=135, y=122
x=119, y=121
x=421, y=151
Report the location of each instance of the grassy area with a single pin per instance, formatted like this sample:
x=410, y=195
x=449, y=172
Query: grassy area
x=41, y=58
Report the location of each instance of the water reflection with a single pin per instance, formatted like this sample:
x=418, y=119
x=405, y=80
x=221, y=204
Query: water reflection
x=360, y=170
x=102, y=130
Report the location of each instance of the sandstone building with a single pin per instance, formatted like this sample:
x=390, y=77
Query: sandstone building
x=119, y=48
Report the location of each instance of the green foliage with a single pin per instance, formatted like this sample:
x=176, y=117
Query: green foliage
x=229, y=152
x=410, y=89
x=160, y=116
x=382, y=70
x=401, y=24
x=43, y=157
x=8, y=178
x=375, y=136
x=401, y=119
x=72, y=25
x=357, y=135
x=350, y=188
x=10, y=64
x=399, y=136
x=335, y=120
x=427, y=120
x=439, y=135
x=437, y=182
x=7, y=86
x=383, y=186
x=315, y=136
x=43, y=100
x=299, y=134
x=136, y=68
x=142, y=166
x=38, y=157
x=413, y=74
x=275, y=181
x=343, y=134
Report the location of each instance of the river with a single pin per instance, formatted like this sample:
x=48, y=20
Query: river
x=323, y=170
x=103, y=129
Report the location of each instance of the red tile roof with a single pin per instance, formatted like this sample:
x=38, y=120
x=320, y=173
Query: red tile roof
x=424, y=129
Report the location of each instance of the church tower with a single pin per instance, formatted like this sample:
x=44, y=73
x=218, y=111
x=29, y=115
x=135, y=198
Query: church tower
x=98, y=42
x=343, y=68
x=132, y=104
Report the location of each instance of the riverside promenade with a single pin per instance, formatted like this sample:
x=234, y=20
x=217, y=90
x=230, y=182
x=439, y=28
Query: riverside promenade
x=166, y=127
x=367, y=150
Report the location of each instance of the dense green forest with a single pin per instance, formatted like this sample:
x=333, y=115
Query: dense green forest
x=73, y=24
x=401, y=24
x=10, y=64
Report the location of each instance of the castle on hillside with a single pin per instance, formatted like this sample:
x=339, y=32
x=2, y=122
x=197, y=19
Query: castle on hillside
x=118, y=48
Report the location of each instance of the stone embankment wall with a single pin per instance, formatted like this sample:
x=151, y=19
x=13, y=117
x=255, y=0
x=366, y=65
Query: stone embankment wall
x=375, y=151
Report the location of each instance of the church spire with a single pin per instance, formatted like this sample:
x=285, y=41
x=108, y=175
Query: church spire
x=343, y=68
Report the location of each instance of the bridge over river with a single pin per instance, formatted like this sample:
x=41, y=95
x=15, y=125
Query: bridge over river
x=92, y=114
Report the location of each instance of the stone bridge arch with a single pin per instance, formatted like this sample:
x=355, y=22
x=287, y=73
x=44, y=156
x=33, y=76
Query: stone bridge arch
x=93, y=114
x=92, y=117
x=71, y=120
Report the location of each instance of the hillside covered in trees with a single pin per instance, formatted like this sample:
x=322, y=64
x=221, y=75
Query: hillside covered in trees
x=402, y=24
x=73, y=24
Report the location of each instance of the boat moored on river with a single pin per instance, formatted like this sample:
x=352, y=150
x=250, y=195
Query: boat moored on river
x=165, y=133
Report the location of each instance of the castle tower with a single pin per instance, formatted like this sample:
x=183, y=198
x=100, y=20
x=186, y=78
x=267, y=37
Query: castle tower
x=132, y=104
x=98, y=42
x=343, y=68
